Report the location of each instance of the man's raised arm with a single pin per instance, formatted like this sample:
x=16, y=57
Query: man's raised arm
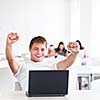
x=11, y=38
x=64, y=64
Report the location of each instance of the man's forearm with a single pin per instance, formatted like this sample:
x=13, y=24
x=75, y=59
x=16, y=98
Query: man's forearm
x=11, y=60
x=62, y=65
x=9, y=55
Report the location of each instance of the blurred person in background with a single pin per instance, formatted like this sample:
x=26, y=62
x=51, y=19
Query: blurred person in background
x=61, y=49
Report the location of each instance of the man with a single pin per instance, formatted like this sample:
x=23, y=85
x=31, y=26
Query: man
x=37, y=50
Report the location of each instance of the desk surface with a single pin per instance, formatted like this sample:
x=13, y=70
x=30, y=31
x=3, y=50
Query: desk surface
x=76, y=95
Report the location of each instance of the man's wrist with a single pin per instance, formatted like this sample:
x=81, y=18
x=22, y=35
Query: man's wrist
x=74, y=52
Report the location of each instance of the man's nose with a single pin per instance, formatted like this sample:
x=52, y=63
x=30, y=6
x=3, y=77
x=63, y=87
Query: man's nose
x=39, y=51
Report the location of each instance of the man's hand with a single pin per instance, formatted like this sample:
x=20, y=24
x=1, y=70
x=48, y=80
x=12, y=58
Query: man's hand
x=72, y=46
x=12, y=38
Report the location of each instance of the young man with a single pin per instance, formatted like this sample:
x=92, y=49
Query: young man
x=37, y=50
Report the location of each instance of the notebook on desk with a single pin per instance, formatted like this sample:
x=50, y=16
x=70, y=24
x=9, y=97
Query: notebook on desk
x=48, y=83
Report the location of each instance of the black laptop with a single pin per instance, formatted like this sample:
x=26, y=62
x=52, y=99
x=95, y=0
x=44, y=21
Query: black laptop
x=48, y=83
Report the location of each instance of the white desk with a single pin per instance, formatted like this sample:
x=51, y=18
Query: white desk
x=89, y=73
x=77, y=70
x=76, y=95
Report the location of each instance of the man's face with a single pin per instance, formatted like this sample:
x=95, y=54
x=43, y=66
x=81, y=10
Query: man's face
x=38, y=51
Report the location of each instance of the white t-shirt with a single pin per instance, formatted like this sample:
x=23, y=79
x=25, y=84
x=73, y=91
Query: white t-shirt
x=22, y=73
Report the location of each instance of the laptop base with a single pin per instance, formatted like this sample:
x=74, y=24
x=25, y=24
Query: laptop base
x=44, y=95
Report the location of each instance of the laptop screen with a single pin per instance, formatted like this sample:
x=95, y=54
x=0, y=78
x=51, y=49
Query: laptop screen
x=48, y=82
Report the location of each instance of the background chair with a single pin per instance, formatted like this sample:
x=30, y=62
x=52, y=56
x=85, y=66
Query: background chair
x=7, y=80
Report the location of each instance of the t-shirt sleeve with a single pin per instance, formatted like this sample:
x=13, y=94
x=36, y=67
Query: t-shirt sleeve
x=55, y=66
x=21, y=76
x=21, y=73
x=20, y=69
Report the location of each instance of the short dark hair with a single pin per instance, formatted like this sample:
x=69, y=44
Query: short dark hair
x=38, y=39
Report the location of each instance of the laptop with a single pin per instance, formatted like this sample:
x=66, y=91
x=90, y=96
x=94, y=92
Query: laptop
x=48, y=83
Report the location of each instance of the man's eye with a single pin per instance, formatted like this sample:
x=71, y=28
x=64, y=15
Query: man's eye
x=35, y=49
x=42, y=49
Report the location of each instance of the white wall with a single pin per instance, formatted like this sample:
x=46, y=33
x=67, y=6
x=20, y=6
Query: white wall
x=11, y=19
x=95, y=47
x=33, y=17
x=86, y=23
x=81, y=22
x=89, y=26
x=74, y=20
x=56, y=20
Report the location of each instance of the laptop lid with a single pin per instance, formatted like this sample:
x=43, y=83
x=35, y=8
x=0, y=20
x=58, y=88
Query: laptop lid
x=48, y=82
